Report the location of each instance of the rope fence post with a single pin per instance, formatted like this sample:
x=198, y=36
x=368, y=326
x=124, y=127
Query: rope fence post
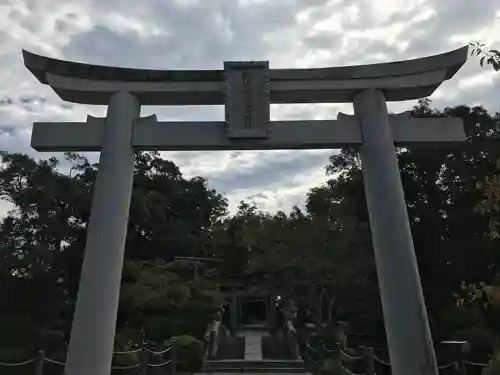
x=144, y=361
x=40, y=359
x=173, y=356
x=459, y=351
x=462, y=357
x=368, y=359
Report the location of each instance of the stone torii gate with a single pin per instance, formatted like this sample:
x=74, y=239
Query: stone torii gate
x=247, y=89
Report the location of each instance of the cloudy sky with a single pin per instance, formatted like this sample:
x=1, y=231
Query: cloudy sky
x=201, y=34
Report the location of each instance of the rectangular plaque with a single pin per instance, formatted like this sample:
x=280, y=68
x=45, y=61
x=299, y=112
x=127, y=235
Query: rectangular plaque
x=247, y=98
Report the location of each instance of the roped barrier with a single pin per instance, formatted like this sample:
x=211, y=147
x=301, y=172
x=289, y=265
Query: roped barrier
x=145, y=356
x=368, y=357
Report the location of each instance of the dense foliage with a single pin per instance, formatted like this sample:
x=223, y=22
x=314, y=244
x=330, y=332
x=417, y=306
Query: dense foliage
x=320, y=256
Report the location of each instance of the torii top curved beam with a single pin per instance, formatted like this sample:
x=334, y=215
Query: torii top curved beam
x=94, y=84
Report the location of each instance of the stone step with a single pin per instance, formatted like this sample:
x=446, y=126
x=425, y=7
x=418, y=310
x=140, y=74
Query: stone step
x=231, y=348
x=256, y=363
x=238, y=371
x=275, y=348
x=266, y=371
x=253, y=365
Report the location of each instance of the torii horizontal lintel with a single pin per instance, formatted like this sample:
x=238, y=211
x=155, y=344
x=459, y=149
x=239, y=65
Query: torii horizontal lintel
x=150, y=134
x=94, y=84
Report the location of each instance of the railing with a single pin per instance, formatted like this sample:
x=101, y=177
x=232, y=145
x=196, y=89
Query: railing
x=212, y=338
x=371, y=364
x=144, y=364
x=290, y=334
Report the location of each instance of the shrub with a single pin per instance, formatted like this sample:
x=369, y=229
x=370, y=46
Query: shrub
x=157, y=329
x=482, y=341
x=493, y=367
x=189, y=353
x=455, y=319
x=18, y=330
x=14, y=354
x=122, y=344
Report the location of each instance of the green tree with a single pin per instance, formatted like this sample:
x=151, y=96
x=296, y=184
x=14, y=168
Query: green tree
x=43, y=237
x=162, y=298
x=440, y=195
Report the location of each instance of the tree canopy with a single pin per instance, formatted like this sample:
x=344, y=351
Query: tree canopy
x=320, y=255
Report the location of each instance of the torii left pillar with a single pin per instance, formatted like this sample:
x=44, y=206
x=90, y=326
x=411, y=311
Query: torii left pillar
x=90, y=348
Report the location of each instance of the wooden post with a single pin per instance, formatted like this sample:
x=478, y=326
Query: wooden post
x=40, y=359
x=144, y=361
x=234, y=312
x=368, y=358
x=272, y=312
x=462, y=355
x=173, y=357
x=459, y=351
x=344, y=329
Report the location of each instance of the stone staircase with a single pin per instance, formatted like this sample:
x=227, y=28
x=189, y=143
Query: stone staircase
x=253, y=352
x=254, y=366
x=276, y=348
x=231, y=348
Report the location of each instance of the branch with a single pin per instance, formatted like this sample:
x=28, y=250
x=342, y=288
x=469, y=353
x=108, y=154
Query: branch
x=490, y=56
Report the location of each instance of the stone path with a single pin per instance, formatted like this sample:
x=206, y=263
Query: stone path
x=253, y=345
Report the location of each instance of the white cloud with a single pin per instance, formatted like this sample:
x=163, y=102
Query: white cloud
x=478, y=81
x=192, y=34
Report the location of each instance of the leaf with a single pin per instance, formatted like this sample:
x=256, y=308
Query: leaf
x=481, y=61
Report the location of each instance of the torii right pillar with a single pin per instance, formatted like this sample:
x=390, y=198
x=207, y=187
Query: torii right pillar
x=406, y=323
